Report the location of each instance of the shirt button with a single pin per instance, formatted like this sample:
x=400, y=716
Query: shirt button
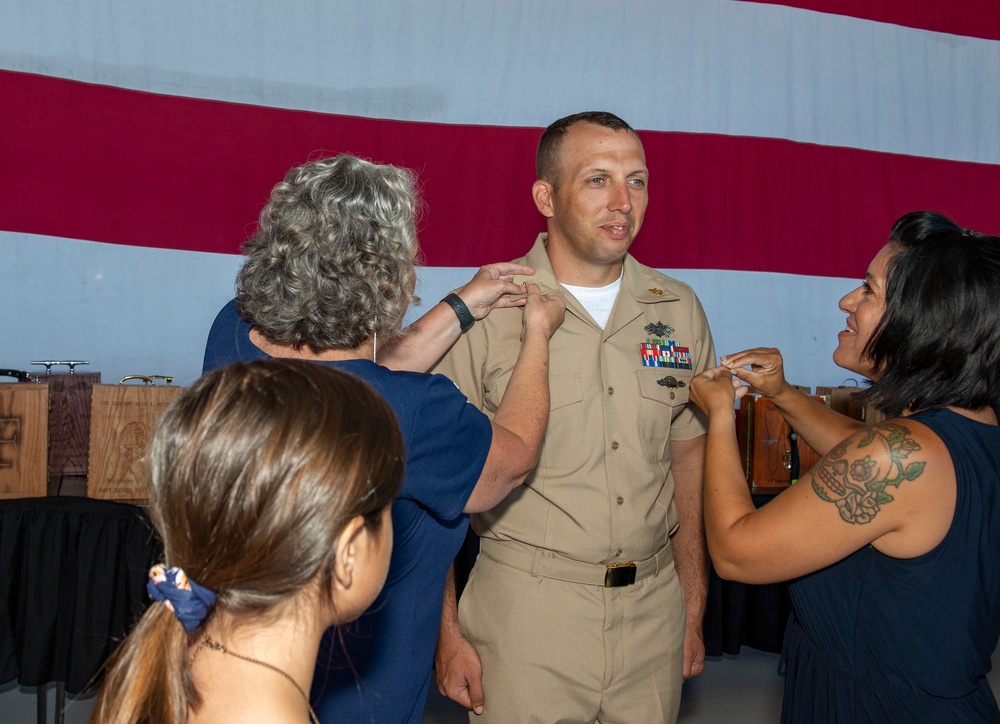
x=672, y=395
x=614, y=446
x=611, y=390
x=618, y=553
x=620, y=500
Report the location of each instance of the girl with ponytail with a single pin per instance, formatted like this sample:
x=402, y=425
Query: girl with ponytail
x=271, y=485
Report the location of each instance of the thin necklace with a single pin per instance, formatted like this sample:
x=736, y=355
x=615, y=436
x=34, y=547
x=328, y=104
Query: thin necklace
x=216, y=646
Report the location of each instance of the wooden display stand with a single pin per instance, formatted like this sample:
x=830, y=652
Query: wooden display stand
x=769, y=448
x=844, y=400
x=123, y=420
x=24, y=433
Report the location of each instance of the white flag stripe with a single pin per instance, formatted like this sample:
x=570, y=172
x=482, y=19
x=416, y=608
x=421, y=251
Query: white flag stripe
x=705, y=66
x=137, y=310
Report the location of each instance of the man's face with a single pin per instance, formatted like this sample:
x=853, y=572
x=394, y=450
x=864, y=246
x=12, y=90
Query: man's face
x=596, y=207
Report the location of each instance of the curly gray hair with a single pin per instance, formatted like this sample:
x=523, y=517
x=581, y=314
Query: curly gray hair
x=332, y=262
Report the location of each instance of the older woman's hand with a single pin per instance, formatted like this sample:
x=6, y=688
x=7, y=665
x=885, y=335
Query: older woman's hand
x=542, y=312
x=716, y=390
x=492, y=288
x=766, y=373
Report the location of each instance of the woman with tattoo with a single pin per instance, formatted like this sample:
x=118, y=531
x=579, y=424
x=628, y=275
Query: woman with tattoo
x=893, y=539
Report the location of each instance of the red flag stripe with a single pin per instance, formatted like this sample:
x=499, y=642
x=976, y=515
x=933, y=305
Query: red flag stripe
x=974, y=18
x=105, y=164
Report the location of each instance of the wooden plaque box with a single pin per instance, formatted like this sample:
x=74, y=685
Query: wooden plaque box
x=768, y=447
x=69, y=420
x=24, y=437
x=843, y=399
x=122, y=422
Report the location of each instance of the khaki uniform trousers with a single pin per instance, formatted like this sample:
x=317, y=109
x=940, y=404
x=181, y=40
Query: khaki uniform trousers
x=554, y=651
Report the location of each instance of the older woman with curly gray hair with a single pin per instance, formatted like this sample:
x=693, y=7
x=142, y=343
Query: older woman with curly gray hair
x=332, y=267
x=328, y=277
x=332, y=263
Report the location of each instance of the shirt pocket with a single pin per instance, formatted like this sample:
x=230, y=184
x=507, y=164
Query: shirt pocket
x=565, y=444
x=663, y=394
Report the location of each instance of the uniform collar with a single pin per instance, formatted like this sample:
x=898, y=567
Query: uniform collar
x=640, y=285
x=639, y=281
x=538, y=259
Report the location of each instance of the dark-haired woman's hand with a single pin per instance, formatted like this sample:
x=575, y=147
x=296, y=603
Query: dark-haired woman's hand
x=715, y=391
x=762, y=368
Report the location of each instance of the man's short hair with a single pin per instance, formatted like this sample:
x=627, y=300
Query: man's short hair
x=547, y=156
x=938, y=342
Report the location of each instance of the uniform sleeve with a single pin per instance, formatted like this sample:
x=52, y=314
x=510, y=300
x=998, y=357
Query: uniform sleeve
x=463, y=364
x=691, y=422
x=447, y=448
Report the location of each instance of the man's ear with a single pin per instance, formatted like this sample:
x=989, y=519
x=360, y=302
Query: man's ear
x=347, y=552
x=542, y=192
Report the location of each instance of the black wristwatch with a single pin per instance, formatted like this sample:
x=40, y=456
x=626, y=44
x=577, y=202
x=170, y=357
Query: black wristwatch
x=465, y=318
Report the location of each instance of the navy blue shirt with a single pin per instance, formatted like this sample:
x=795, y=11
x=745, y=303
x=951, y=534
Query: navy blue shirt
x=882, y=639
x=391, y=647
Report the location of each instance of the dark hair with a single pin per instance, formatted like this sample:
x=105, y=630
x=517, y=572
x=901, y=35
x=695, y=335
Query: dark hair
x=547, y=155
x=256, y=470
x=938, y=342
x=332, y=262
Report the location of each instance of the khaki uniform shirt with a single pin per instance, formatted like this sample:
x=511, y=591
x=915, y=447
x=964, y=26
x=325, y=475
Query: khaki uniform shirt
x=603, y=490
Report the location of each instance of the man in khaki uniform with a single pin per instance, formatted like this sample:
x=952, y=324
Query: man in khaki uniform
x=586, y=601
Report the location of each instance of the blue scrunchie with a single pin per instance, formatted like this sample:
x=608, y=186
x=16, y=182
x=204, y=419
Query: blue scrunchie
x=189, y=601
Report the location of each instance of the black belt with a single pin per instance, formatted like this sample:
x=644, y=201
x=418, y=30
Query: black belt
x=548, y=564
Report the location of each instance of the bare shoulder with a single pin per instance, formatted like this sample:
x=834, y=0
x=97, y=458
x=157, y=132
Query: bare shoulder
x=898, y=470
x=891, y=486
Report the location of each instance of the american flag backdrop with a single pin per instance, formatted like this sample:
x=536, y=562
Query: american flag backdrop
x=138, y=142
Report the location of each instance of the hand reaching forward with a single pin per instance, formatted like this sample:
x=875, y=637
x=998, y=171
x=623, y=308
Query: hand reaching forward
x=716, y=390
x=544, y=312
x=767, y=370
x=492, y=288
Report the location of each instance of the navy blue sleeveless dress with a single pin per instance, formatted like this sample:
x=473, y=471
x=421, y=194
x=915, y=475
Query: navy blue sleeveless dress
x=880, y=639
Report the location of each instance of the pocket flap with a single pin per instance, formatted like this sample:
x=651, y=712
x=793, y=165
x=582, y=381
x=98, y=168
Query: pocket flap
x=666, y=385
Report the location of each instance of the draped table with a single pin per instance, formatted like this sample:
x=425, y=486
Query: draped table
x=73, y=577
x=738, y=614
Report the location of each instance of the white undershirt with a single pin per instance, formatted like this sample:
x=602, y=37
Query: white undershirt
x=598, y=301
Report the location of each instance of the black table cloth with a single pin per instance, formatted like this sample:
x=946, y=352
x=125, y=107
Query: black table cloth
x=738, y=614
x=72, y=583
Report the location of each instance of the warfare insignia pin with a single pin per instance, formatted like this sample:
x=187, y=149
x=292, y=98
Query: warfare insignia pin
x=655, y=292
x=659, y=329
x=671, y=381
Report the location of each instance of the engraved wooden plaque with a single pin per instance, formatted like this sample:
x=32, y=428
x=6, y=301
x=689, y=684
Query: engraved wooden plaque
x=69, y=420
x=24, y=437
x=766, y=445
x=122, y=422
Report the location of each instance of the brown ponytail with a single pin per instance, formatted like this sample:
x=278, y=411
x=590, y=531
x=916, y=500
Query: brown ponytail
x=256, y=469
